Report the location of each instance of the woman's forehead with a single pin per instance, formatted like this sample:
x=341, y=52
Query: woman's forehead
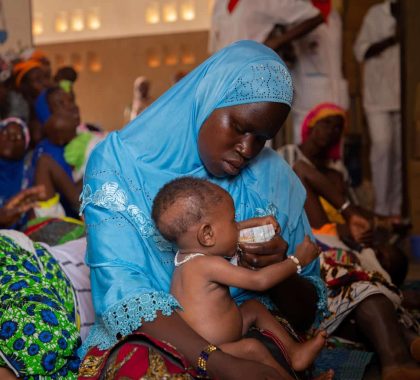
x=13, y=126
x=259, y=116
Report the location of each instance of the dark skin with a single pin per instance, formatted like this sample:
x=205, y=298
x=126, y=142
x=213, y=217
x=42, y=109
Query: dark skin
x=54, y=179
x=60, y=129
x=378, y=47
x=144, y=89
x=12, y=147
x=241, y=133
x=12, y=142
x=4, y=101
x=277, y=42
x=375, y=316
x=319, y=181
x=60, y=101
x=33, y=83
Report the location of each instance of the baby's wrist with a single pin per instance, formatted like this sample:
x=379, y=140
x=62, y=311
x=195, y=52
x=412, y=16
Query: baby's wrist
x=296, y=261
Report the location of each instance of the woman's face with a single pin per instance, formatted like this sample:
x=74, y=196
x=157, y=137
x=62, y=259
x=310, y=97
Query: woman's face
x=327, y=131
x=36, y=82
x=60, y=129
x=60, y=102
x=12, y=142
x=232, y=136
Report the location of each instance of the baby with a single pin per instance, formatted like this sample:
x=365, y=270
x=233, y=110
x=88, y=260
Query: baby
x=200, y=218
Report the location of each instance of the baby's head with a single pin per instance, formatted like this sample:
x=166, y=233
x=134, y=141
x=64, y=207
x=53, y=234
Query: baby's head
x=197, y=215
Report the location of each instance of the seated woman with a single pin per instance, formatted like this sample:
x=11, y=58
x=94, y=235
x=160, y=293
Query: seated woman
x=17, y=197
x=213, y=124
x=30, y=81
x=61, y=156
x=45, y=307
x=317, y=162
x=358, y=286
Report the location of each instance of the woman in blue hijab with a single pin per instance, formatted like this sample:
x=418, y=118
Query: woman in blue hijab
x=212, y=124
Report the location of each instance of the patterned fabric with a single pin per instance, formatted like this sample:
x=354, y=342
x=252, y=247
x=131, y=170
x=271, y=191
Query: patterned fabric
x=139, y=356
x=129, y=259
x=349, y=283
x=38, y=332
x=261, y=82
x=54, y=231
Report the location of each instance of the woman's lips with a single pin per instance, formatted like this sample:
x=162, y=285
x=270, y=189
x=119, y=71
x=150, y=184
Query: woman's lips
x=232, y=168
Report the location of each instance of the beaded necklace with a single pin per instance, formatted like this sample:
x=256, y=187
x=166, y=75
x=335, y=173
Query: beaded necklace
x=187, y=258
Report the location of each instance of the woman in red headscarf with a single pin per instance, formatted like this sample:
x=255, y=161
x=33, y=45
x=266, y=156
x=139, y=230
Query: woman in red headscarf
x=330, y=201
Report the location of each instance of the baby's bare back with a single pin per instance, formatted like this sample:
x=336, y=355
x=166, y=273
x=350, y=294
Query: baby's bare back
x=208, y=307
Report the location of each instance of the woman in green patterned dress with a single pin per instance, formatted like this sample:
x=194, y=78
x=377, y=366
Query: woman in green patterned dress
x=38, y=313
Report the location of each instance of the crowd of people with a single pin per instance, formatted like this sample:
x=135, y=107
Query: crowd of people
x=122, y=253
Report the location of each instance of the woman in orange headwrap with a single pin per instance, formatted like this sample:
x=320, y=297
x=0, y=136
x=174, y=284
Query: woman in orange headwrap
x=30, y=81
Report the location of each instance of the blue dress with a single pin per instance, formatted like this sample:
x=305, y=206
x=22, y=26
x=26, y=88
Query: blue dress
x=131, y=263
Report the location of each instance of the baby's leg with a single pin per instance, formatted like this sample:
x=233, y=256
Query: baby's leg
x=301, y=355
x=252, y=349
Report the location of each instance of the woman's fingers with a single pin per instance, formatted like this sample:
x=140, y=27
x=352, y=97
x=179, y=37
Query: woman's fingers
x=274, y=246
x=30, y=195
x=258, y=255
x=26, y=207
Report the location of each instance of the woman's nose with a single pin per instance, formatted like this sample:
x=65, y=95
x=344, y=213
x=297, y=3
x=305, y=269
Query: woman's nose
x=14, y=136
x=248, y=146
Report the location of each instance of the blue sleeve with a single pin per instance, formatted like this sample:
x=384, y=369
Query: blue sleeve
x=130, y=281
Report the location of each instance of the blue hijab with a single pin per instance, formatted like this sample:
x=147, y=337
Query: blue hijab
x=131, y=264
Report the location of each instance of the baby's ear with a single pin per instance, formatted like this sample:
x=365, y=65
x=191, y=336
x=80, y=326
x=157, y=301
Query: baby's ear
x=205, y=235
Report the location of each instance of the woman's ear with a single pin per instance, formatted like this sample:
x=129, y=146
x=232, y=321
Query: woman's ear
x=206, y=236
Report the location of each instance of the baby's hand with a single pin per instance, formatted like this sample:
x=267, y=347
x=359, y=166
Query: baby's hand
x=307, y=251
x=262, y=221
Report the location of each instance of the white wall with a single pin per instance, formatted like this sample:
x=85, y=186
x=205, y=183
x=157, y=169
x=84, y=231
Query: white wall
x=17, y=16
x=119, y=18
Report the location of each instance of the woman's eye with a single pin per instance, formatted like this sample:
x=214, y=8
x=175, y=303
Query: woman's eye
x=238, y=128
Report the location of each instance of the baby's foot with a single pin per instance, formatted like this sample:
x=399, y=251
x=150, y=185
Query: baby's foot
x=399, y=373
x=305, y=353
x=329, y=375
x=415, y=349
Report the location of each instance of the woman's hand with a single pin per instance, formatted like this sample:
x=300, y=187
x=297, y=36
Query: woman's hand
x=261, y=221
x=259, y=255
x=20, y=204
x=360, y=229
x=307, y=251
x=360, y=224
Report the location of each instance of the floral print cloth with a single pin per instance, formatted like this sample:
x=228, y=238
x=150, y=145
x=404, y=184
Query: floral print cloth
x=38, y=317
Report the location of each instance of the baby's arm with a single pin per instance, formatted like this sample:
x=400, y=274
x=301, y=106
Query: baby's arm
x=221, y=271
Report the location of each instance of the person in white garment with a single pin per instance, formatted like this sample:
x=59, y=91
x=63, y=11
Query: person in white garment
x=234, y=20
x=377, y=47
x=317, y=73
